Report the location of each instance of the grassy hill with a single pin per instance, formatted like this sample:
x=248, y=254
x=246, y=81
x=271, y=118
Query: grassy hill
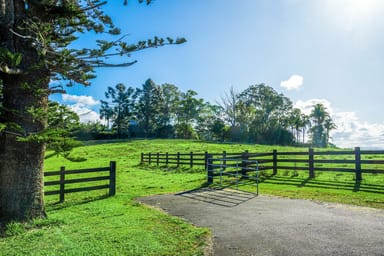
x=89, y=223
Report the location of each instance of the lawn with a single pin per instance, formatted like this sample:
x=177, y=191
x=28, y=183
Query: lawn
x=89, y=223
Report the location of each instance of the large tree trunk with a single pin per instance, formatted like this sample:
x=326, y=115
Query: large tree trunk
x=21, y=163
x=21, y=179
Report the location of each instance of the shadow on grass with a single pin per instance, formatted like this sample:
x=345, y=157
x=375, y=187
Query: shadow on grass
x=169, y=168
x=357, y=186
x=74, y=202
x=304, y=182
x=324, y=184
x=222, y=196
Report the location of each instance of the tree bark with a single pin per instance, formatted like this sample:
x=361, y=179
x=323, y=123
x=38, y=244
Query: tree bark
x=21, y=179
x=21, y=163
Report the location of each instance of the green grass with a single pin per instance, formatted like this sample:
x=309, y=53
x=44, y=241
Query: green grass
x=89, y=223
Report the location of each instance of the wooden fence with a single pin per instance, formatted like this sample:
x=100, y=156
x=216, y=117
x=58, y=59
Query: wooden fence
x=356, y=161
x=63, y=180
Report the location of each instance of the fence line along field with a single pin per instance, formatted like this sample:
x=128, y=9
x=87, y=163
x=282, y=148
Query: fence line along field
x=356, y=161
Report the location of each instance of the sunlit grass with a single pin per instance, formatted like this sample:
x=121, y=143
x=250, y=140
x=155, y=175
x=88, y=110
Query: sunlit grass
x=90, y=223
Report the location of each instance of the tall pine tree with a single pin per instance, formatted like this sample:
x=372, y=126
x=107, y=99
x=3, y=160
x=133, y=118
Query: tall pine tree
x=35, y=36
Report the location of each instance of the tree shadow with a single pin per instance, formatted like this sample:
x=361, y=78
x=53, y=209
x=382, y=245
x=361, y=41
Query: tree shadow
x=62, y=205
x=356, y=186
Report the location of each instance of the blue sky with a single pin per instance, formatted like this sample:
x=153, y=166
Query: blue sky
x=328, y=51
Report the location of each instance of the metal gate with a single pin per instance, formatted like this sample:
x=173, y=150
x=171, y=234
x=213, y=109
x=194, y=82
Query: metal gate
x=233, y=173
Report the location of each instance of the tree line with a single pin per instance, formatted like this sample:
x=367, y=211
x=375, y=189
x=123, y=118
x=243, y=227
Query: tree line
x=258, y=114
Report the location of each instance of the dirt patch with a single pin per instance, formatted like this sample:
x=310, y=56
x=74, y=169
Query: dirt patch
x=267, y=225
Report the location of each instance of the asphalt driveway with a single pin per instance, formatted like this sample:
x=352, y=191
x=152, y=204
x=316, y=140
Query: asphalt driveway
x=244, y=224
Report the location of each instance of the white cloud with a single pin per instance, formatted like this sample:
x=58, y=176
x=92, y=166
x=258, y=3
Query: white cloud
x=82, y=105
x=351, y=131
x=86, y=114
x=86, y=100
x=293, y=83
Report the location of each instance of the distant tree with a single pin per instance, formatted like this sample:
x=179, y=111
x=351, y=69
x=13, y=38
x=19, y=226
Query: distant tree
x=106, y=113
x=270, y=111
x=121, y=102
x=329, y=125
x=187, y=113
x=305, y=119
x=148, y=107
x=299, y=123
x=92, y=131
x=229, y=103
x=295, y=122
x=170, y=97
x=236, y=115
x=210, y=125
x=244, y=118
x=321, y=126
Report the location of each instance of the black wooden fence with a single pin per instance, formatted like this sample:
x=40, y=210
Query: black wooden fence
x=63, y=180
x=357, y=161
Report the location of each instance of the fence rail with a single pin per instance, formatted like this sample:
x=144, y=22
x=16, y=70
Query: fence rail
x=63, y=180
x=356, y=161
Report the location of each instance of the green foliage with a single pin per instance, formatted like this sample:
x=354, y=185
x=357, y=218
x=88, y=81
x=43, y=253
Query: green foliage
x=55, y=24
x=120, y=108
x=50, y=27
x=92, y=131
x=322, y=124
x=9, y=60
x=148, y=107
x=153, y=111
x=265, y=114
x=62, y=122
x=210, y=126
x=258, y=114
x=13, y=229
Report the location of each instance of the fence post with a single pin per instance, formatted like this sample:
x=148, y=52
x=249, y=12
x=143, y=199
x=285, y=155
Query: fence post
x=224, y=159
x=112, y=178
x=358, y=164
x=191, y=160
x=62, y=183
x=166, y=159
x=142, y=158
x=311, y=165
x=157, y=158
x=178, y=159
x=206, y=159
x=274, y=155
x=244, y=163
x=149, y=158
x=209, y=167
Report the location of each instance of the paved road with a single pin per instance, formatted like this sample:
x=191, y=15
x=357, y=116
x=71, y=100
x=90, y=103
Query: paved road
x=243, y=224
